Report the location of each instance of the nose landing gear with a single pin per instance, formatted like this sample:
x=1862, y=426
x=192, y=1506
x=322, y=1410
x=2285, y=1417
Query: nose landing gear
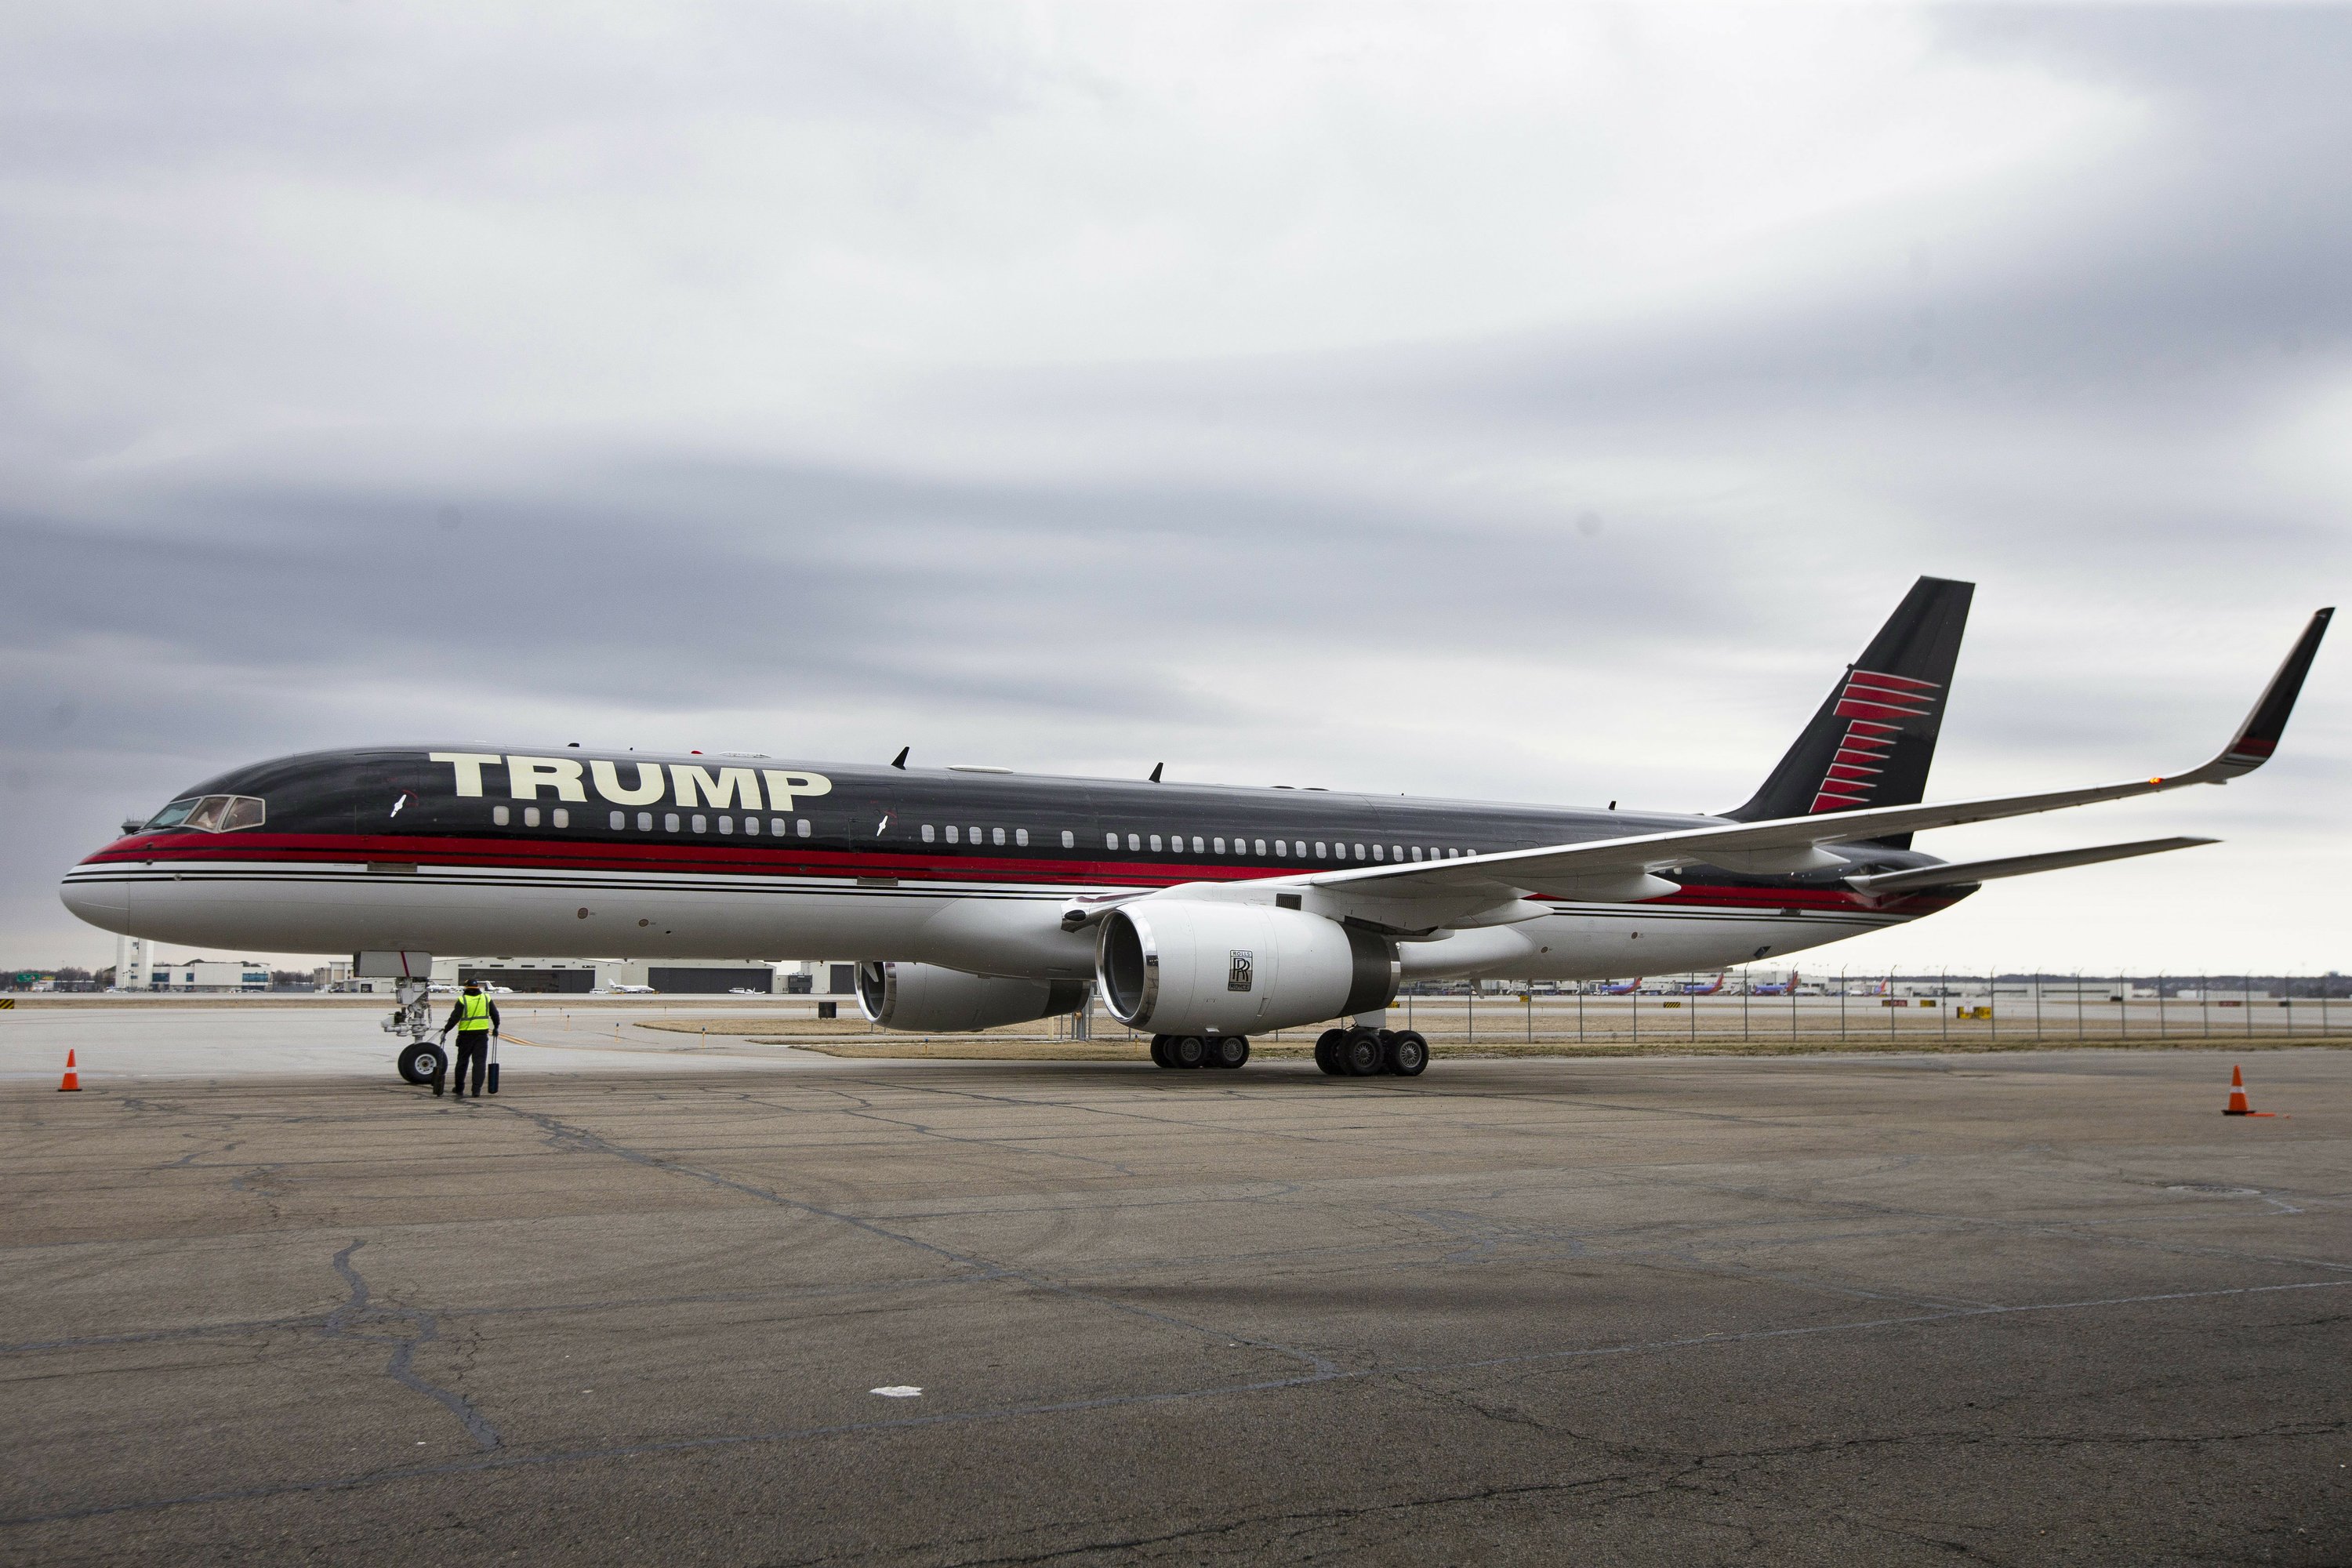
x=422, y=1063
x=420, y=1060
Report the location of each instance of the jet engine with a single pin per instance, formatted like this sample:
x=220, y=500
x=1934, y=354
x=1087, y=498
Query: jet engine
x=1180, y=966
x=926, y=997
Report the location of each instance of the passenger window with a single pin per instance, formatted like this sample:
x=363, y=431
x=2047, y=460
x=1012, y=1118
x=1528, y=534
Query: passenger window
x=804, y=827
x=702, y=825
x=531, y=817
x=1376, y=852
x=1021, y=837
x=1196, y=843
x=928, y=834
x=996, y=836
x=751, y=826
x=1280, y=847
x=1110, y=840
x=1134, y=842
x=670, y=822
x=560, y=817
x=498, y=816
x=776, y=827
x=1218, y=845
x=955, y=834
x=1318, y=849
x=1417, y=851
x=618, y=820
x=1155, y=844
x=244, y=811
x=1396, y=851
x=1069, y=839
x=726, y=825
x=1299, y=847
x=645, y=822
x=1261, y=846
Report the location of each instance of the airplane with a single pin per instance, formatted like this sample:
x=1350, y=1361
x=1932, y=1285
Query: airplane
x=631, y=990
x=1693, y=988
x=975, y=897
x=1775, y=988
x=1631, y=988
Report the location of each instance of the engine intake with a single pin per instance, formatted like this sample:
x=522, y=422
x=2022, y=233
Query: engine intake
x=1180, y=966
x=928, y=997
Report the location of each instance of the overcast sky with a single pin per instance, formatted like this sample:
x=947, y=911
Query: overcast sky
x=1538, y=403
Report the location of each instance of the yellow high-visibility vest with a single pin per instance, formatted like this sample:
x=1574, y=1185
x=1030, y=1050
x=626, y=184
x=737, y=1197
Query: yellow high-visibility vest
x=474, y=1014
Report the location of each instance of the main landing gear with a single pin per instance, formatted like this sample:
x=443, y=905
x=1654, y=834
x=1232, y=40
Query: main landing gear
x=1367, y=1053
x=1199, y=1051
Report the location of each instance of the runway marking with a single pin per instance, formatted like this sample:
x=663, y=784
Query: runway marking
x=507, y=1460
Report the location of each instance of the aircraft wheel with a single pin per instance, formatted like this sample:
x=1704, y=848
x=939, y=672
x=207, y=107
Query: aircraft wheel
x=1187, y=1050
x=422, y=1063
x=1228, y=1051
x=1360, y=1055
x=1326, y=1050
x=1406, y=1053
x=1160, y=1052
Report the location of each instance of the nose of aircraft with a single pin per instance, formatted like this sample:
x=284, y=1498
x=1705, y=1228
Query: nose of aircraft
x=106, y=905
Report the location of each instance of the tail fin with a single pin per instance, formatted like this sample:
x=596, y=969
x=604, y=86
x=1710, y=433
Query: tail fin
x=1871, y=741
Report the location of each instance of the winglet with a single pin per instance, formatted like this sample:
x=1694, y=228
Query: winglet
x=2257, y=737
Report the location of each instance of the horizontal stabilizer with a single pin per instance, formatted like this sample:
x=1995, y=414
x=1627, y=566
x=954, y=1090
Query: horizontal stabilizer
x=1962, y=872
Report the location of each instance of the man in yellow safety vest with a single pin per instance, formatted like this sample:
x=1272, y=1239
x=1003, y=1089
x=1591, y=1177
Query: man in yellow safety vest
x=475, y=1019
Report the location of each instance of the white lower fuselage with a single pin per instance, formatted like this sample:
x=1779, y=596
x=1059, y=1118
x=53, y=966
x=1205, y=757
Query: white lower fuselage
x=990, y=927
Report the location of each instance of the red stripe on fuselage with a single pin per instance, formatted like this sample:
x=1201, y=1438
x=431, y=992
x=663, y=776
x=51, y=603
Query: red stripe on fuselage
x=537, y=854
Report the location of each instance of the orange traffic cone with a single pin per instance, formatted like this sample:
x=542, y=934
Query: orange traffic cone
x=2237, y=1105
x=72, y=1084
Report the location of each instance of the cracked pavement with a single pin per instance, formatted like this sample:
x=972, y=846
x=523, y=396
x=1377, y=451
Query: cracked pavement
x=2034, y=1309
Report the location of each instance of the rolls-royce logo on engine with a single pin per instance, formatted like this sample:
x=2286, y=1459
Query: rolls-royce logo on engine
x=1240, y=972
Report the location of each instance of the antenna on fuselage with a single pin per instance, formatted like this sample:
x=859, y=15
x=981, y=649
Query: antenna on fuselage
x=1155, y=771
x=900, y=760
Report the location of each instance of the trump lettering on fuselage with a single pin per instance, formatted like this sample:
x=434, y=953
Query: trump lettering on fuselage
x=685, y=783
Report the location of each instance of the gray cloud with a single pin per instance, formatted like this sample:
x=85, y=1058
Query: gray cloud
x=827, y=380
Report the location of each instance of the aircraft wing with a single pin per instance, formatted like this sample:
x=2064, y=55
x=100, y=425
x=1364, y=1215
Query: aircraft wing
x=1617, y=869
x=1955, y=873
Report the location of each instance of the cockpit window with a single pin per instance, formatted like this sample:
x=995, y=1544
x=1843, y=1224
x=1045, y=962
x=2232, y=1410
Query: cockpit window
x=210, y=814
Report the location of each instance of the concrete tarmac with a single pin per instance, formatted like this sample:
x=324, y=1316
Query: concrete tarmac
x=2047, y=1307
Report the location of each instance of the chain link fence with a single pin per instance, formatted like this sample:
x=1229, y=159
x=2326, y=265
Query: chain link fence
x=1897, y=1010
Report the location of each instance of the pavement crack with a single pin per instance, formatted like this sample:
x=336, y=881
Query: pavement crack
x=359, y=1315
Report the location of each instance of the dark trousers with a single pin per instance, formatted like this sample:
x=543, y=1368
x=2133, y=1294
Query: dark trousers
x=474, y=1049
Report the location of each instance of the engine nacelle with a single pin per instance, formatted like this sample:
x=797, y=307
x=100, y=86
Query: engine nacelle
x=1182, y=966
x=948, y=1001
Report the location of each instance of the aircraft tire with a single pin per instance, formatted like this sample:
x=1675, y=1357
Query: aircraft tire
x=1360, y=1055
x=1160, y=1051
x=1326, y=1050
x=1228, y=1051
x=420, y=1063
x=1187, y=1051
x=1406, y=1053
